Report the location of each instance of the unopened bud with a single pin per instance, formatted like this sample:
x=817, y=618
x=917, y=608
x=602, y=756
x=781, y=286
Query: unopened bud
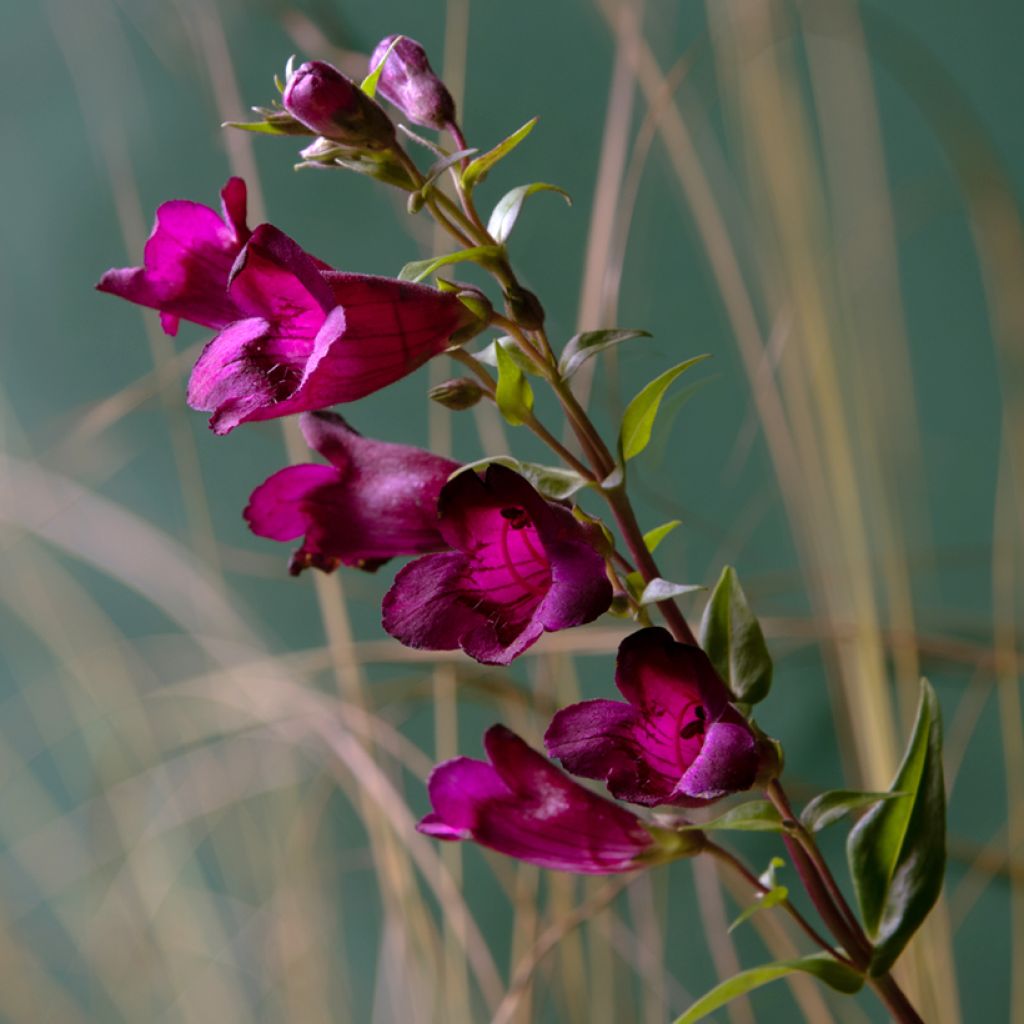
x=460, y=393
x=524, y=307
x=409, y=82
x=333, y=106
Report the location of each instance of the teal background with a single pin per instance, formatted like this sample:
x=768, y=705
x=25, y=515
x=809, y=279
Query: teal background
x=109, y=111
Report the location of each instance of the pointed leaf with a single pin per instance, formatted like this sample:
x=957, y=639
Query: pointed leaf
x=369, y=83
x=640, y=414
x=732, y=639
x=420, y=269
x=513, y=393
x=824, y=967
x=897, y=851
x=279, y=127
x=479, y=168
x=519, y=357
x=663, y=590
x=441, y=164
x=506, y=211
x=652, y=538
x=753, y=816
x=776, y=895
x=828, y=808
x=580, y=347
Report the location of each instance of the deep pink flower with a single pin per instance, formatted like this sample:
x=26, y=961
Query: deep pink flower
x=307, y=338
x=519, y=566
x=187, y=262
x=522, y=805
x=678, y=740
x=374, y=501
x=408, y=81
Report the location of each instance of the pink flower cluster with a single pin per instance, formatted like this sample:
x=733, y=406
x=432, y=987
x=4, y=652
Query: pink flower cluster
x=497, y=564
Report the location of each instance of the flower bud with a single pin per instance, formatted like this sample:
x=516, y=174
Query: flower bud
x=524, y=307
x=409, y=82
x=458, y=394
x=333, y=106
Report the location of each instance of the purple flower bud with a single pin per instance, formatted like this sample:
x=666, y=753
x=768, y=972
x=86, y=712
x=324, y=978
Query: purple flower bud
x=409, y=82
x=457, y=394
x=334, y=106
x=523, y=806
x=677, y=741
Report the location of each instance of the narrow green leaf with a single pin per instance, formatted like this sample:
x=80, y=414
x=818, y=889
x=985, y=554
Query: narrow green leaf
x=580, y=347
x=489, y=356
x=479, y=168
x=897, y=851
x=828, y=808
x=440, y=165
x=369, y=83
x=513, y=394
x=640, y=414
x=652, y=538
x=776, y=895
x=420, y=269
x=506, y=211
x=662, y=590
x=265, y=128
x=824, y=967
x=732, y=638
x=753, y=816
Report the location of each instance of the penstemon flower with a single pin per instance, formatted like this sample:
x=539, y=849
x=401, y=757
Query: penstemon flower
x=519, y=566
x=408, y=82
x=678, y=740
x=375, y=500
x=523, y=806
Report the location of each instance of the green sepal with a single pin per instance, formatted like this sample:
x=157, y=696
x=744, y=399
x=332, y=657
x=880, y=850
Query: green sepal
x=479, y=168
x=652, y=538
x=824, y=967
x=897, y=851
x=506, y=211
x=369, y=83
x=828, y=808
x=513, y=394
x=417, y=270
x=663, y=590
x=752, y=816
x=671, y=844
x=552, y=481
x=731, y=637
x=638, y=420
x=580, y=347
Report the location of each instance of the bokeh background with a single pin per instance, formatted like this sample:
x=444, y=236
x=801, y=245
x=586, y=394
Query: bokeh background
x=209, y=771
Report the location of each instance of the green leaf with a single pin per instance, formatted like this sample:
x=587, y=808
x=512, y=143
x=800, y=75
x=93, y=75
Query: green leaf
x=640, y=414
x=824, y=967
x=580, y=347
x=776, y=895
x=420, y=269
x=753, y=816
x=897, y=851
x=732, y=639
x=369, y=83
x=506, y=211
x=552, y=481
x=652, y=538
x=525, y=363
x=828, y=808
x=440, y=165
x=479, y=168
x=513, y=394
x=662, y=590
x=281, y=127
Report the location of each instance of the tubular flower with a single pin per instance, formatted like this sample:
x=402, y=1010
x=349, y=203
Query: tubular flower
x=408, y=81
x=187, y=262
x=375, y=500
x=678, y=740
x=523, y=806
x=519, y=566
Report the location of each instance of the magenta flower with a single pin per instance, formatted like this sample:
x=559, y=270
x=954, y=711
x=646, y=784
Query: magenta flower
x=519, y=566
x=678, y=740
x=374, y=501
x=187, y=262
x=523, y=806
x=307, y=338
x=408, y=81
